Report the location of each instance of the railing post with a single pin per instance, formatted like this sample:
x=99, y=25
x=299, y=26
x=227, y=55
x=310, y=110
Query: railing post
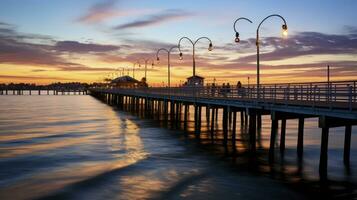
x=288, y=92
x=327, y=92
x=350, y=97
x=354, y=88
x=315, y=88
x=301, y=93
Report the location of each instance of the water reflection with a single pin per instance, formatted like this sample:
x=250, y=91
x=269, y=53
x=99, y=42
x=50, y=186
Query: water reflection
x=76, y=147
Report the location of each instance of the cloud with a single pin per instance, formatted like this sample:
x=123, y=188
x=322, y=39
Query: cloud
x=306, y=43
x=165, y=16
x=83, y=68
x=77, y=47
x=99, y=12
x=20, y=49
x=32, y=77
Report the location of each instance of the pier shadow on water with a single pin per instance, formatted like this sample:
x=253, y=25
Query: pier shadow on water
x=298, y=170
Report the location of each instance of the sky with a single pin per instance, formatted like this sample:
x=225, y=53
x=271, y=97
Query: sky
x=88, y=40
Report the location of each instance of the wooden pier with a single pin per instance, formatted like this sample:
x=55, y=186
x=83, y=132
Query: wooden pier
x=5, y=91
x=333, y=103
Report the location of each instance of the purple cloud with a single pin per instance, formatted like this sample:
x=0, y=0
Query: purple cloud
x=99, y=12
x=306, y=43
x=15, y=50
x=77, y=47
x=165, y=16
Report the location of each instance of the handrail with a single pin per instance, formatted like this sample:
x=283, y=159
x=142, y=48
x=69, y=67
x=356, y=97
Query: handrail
x=340, y=94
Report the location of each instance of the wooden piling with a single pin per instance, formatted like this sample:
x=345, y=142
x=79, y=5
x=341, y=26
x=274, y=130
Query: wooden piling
x=225, y=127
x=274, y=129
x=172, y=112
x=282, y=135
x=252, y=131
x=199, y=119
x=347, y=146
x=213, y=121
x=234, y=132
x=177, y=114
x=300, y=143
x=259, y=121
x=323, y=153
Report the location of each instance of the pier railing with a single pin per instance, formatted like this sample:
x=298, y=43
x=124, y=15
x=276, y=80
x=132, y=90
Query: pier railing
x=341, y=94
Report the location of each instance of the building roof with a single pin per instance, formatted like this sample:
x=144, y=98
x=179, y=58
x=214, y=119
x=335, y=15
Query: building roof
x=125, y=79
x=195, y=77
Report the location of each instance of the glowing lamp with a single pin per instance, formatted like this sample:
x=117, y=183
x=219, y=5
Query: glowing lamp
x=285, y=30
x=237, y=40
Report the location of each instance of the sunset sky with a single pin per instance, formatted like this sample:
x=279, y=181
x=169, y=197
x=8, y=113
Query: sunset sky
x=85, y=40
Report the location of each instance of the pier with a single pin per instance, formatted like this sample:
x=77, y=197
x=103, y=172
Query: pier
x=42, y=92
x=333, y=103
x=52, y=89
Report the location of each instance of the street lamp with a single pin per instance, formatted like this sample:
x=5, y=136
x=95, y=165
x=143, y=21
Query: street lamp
x=134, y=64
x=146, y=63
x=285, y=33
x=210, y=47
x=168, y=61
x=237, y=40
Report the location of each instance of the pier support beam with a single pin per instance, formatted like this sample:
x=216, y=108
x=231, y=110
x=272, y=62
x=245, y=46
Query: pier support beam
x=234, y=132
x=213, y=121
x=274, y=130
x=347, y=146
x=282, y=135
x=300, y=143
x=252, y=130
x=185, y=117
x=328, y=122
x=259, y=121
x=199, y=119
x=225, y=128
x=323, y=153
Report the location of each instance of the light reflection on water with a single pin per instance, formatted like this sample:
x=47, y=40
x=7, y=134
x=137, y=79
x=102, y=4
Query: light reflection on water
x=79, y=148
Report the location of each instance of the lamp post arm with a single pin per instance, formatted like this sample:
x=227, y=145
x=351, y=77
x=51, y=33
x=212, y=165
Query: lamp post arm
x=179, y=43
x=172, y=48
x=201, y=39
x=274, y=15
x=241, y=18
x=158, y=51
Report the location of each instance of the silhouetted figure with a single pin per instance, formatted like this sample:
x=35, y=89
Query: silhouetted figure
x=213, y=89
x=222, y=90
x=239, y=89
x=228, y=89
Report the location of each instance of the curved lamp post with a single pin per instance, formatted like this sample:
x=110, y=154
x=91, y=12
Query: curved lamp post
x=210, y=47
x=285, y=33
x=146, y=63
x=237, y=40
x=168, y=61
x=134, y=64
